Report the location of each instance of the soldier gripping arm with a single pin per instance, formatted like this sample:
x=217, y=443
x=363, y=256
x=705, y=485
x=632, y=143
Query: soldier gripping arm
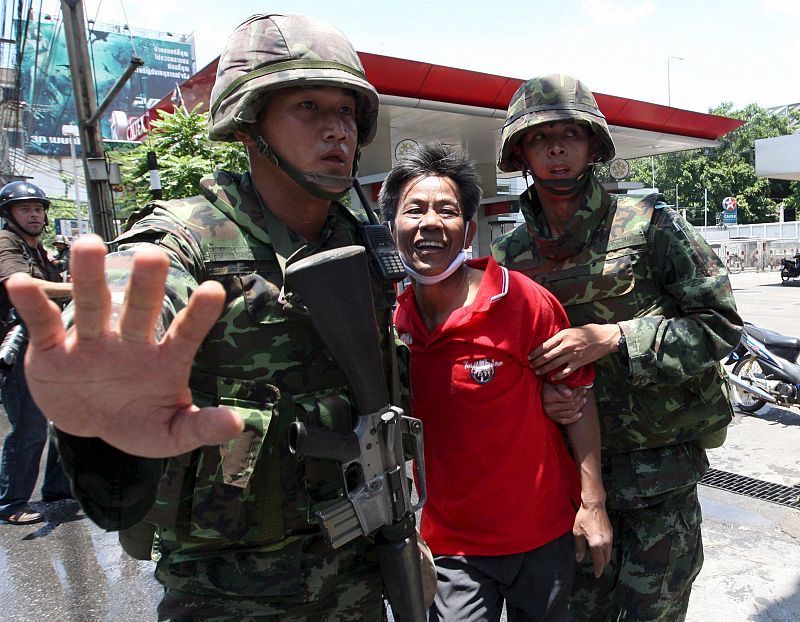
x=694, y=325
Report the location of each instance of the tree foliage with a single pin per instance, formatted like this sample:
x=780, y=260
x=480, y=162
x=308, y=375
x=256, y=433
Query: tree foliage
x=184, y=154
x=727, y=170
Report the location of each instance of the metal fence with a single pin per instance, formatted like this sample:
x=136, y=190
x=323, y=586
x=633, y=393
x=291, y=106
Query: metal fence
x=754, y=247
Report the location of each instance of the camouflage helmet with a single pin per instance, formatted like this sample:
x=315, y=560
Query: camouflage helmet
x=271, y=52
x=545, y=100
x=60, y=239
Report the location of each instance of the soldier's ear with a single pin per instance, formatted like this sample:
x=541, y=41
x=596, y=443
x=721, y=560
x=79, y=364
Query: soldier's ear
x=518, y=158
x=594, y=148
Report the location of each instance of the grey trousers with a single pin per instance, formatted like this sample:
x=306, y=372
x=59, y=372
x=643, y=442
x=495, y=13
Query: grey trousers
x=534, y=586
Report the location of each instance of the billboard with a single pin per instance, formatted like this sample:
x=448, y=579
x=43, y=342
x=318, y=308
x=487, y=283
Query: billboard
x=46, y=85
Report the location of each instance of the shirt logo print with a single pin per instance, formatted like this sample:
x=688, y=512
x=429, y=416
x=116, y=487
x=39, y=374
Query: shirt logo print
x=482, y=370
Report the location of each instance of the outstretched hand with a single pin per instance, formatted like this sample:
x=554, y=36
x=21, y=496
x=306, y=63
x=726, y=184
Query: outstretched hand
x=113, y=380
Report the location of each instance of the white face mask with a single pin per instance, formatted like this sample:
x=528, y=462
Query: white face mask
x=430, y=280
x=458, y=260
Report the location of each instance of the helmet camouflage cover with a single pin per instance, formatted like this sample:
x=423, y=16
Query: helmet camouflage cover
x=546, y=100
x=271, y=52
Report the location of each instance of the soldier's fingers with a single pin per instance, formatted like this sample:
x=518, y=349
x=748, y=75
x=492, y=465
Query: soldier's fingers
x=42, y=316
x=544, y=367
x=535, y=354
x=193, y=427
x=89, y=288
x=144, y=296
x=192, y=324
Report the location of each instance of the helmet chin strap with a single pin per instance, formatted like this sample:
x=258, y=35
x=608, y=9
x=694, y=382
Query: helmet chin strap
x=310, y=182
x=566, y=186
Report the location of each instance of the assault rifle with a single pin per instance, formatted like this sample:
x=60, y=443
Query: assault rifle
x=335, y=287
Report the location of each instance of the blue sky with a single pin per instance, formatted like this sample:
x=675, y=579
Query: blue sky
x=742, y=51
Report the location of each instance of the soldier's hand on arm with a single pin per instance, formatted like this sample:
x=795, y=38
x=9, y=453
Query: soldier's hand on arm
x=116, y=382
x=574, y=347
x=563, y=404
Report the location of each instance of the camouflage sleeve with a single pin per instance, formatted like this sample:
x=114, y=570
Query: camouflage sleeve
x=694, y=322
x=116, y=489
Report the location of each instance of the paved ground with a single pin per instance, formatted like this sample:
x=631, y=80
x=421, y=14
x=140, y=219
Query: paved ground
x=752, y=569
x=68, y=570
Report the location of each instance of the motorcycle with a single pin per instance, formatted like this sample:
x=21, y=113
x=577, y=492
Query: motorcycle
x=765, y=369
x=790, y=269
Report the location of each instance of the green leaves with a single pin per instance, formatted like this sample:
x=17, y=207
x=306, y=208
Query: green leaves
x=184, y=156
x=728, y=170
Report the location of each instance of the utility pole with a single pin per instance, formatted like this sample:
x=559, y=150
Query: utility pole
x=98, y=190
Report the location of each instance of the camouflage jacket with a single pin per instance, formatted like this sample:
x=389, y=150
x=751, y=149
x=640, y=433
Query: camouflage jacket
x=622, y=260
x=262, y=358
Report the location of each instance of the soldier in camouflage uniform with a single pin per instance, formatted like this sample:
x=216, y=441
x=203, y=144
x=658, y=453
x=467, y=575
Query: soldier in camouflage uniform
x=61, y=256
x=652, y=307
x=237, y=537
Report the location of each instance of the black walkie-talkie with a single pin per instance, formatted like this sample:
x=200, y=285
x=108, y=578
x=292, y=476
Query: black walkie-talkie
x=379, y=244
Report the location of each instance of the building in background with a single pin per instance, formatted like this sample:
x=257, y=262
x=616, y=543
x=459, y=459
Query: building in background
x=36, y=93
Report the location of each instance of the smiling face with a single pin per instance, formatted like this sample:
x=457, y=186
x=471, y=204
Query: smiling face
x=429, y=226
x=559, y=150
x=313, y=128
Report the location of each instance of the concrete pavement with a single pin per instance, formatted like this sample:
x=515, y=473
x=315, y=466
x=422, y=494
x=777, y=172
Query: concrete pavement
x=752, y=547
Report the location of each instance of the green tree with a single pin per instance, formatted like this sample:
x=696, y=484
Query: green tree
x=184, y=156
x=727, y=170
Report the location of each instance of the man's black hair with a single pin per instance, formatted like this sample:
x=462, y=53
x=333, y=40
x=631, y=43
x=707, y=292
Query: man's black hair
x=432, y=160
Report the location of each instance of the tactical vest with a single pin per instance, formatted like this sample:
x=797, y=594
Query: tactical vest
x=609, y=281
x=252, y=491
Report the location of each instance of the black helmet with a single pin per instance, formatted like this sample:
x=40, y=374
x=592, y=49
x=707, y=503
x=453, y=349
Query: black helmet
x=19, y=191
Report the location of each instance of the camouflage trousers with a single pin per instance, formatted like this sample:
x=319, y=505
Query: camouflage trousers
x=657, y=554
x=306, y=580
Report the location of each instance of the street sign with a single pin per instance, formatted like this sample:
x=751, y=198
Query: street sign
x=729, y=204
x=68, y=227
x=730, y=210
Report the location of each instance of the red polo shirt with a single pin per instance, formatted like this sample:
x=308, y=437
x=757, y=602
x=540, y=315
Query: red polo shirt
x=500, y=479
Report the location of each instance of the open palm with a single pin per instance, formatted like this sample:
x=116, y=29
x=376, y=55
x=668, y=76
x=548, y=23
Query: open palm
x=114, y=381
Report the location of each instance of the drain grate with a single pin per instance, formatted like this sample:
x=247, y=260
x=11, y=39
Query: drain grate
x=751, y=487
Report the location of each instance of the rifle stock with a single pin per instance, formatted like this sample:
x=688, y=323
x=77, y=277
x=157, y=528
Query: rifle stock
x=334, y=286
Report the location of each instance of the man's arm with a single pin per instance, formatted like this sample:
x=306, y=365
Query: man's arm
x=592, y=527
x=53, y=289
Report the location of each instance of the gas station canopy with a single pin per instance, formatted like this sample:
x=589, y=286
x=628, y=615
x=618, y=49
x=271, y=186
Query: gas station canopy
x=423, y=102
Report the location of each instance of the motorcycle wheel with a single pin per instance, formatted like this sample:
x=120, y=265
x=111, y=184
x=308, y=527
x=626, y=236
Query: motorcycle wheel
x=742, y=399
x=784, y=277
